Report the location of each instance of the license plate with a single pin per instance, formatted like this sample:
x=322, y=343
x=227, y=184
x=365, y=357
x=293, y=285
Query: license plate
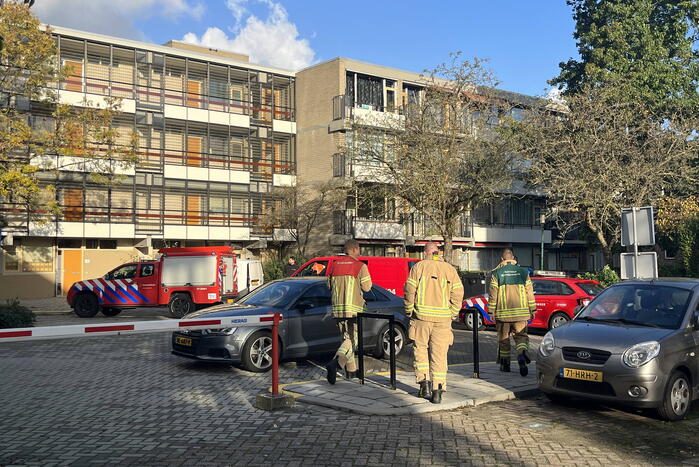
x=584, y=375
x=183, y=341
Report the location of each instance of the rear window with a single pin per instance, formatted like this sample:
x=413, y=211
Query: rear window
x=590, y=288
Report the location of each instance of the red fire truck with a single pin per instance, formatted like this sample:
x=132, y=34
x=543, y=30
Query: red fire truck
x=181, y=279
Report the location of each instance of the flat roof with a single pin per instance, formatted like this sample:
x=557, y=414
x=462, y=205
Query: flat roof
x=164, y=49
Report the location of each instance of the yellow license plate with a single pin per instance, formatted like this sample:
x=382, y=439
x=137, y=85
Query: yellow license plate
x=230, y=300
x=183, y=341
x=584, y=375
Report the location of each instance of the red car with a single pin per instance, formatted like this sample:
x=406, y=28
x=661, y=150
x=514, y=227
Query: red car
x=556, y=301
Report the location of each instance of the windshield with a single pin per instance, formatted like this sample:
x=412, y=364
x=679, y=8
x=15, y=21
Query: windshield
x=590, y=288
x=275, y=294
x=639, y=304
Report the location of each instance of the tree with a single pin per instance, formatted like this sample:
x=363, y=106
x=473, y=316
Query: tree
x=604, y=154
x=678, y=226
x=69, y=136
x=440, y=155
x=646, y=45
x=301, y=208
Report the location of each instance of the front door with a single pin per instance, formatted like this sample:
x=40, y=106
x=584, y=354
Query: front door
x=72, y=268
x=147, y=284
x=311, y=327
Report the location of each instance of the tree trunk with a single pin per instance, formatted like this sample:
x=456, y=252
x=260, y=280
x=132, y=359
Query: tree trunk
x=603, y=241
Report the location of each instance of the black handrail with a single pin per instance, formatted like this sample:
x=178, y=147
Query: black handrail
x=392, y=347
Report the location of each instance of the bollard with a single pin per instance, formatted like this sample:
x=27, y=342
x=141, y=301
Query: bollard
x=392, y=351
x=275, y=354
x=476, y=355
x=360, y=348
x=274, y=401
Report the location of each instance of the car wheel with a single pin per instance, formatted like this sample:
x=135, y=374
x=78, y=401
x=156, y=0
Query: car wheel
x=468, y=320
x=111, y=311
x=257, y=352
x=677, y=398
x=86, y=305
x=180, y=304
x=382, y=348
x=558, y=319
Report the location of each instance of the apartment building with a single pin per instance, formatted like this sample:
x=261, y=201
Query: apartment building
x=215, y=134
x=329, y=97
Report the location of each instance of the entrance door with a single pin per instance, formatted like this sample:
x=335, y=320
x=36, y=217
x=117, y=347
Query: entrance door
x=72, y=268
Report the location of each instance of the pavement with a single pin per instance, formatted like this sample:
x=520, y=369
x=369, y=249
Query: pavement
x=126, y=400
x=376, y=397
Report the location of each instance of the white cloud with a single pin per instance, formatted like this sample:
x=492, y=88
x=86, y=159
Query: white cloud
x=113, y=17
x=274, y=41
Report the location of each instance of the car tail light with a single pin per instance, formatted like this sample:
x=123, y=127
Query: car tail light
x=583, y=301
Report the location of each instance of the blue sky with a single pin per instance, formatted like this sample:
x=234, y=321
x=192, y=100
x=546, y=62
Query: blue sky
x=524, y=41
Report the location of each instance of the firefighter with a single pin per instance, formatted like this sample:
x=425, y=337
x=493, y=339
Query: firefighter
x=347, y=278
x=433, y=295
x=511, y=303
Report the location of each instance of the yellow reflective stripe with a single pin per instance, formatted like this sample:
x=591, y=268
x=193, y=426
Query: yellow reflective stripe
x=457, y=285
x=427, y=307
x=364, y=279
x=434, y=313
x=411, y=281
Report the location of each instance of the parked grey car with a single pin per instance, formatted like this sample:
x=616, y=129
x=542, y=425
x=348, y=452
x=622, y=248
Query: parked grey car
x=636, y=343
x=307, y=328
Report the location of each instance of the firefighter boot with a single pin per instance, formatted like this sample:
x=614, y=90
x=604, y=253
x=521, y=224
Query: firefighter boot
x=437, y=395
x=331, y=367
x=505, y=365
x=425, y=389
x=523, y=359
x=350, y=374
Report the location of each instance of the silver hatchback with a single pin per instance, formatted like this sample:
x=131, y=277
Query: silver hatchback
x=636, y=343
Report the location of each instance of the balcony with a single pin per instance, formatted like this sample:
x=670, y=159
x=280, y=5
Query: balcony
x=368, y=229
x=344, y=111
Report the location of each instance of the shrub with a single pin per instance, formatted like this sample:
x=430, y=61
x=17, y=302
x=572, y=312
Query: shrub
x=605, y=276
x=14, y=315
x=273, y=269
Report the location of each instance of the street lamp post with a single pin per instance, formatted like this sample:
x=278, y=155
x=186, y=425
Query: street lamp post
x=542, y=220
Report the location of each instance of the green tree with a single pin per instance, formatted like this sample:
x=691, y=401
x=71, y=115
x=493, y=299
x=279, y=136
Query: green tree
x=599, y=155
x=72, y=136
x=646, y=45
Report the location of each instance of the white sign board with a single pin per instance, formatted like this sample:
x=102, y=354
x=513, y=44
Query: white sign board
x=645, y=267
x=637, y=224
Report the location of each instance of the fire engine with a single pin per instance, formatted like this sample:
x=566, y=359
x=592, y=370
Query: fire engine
x=182, y=279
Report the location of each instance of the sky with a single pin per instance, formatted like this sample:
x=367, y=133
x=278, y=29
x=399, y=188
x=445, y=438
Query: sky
x=523, y=40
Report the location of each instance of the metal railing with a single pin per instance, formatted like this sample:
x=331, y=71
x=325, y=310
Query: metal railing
x=391, y=338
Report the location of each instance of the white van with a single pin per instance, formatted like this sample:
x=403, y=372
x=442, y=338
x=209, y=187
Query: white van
x=250, y=275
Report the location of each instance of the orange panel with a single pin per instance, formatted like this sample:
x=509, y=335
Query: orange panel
x=72, y=268
x=73, y=204
x=194, y=94
x=74, y=75
x=194, y=151
x=267, y=105
x=193, y=210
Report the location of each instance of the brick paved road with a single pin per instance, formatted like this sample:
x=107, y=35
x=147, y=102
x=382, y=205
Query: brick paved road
x=126, y=400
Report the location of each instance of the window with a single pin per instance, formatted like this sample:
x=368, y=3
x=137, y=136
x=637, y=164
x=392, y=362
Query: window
x=374, y=296
x=547, y=287
x=11, y=255
x=147, y=270
x=318, y=295
x=108, y=244
x=124, y=272
x=317, y=268
x=590, y=288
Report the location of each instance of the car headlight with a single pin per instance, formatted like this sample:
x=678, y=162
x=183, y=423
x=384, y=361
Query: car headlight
x=547, y=345
x=226, y=331
x=640, y=354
